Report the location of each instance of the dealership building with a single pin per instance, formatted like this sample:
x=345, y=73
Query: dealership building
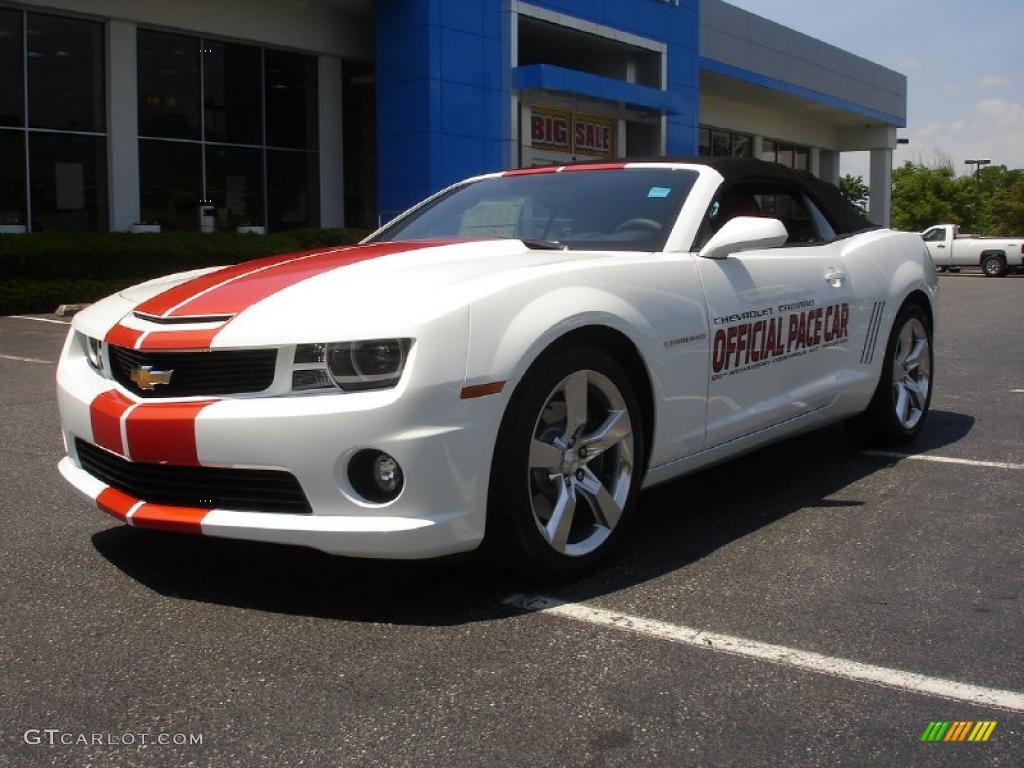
x=275, y=114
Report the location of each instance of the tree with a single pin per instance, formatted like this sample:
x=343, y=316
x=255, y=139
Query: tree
x=855, y=190
x=990, y=203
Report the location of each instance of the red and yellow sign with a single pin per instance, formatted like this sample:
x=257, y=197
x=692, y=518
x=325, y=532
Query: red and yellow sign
x=572, y=132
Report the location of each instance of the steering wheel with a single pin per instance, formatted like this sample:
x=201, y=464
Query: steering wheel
x=651, y=224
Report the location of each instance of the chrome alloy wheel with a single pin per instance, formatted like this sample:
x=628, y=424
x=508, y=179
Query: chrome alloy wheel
x=581, y=463
x=911, y=373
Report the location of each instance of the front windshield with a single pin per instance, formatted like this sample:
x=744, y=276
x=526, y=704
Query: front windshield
x=631, y=209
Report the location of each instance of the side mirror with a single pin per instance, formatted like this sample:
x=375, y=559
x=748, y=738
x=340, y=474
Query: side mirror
x=745, y=233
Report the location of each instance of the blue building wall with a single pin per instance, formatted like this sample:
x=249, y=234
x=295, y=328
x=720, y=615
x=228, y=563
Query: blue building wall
x=443, y=84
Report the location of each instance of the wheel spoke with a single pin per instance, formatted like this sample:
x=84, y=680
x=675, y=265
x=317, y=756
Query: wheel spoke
x=606, y=509
x=545, y=455
x=615, y=429
x=902, y=402
x=914, y=356
x=917, y=390
x=575, y=404
x=906, y=344
x=560, y=522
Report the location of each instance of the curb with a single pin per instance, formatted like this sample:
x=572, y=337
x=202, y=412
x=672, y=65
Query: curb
x=66, y=310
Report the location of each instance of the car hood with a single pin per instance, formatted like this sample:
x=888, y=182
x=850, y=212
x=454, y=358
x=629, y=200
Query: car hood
x=372, y=289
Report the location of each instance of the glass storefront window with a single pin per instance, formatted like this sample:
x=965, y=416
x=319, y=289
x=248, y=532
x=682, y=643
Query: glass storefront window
x=704, y=142
x=291, y=94
x=219, y=108
x=234, y=185
x=717, y=143
x=359, y=143
x=292, y=184
x=69, y=182
x=721, y=144
x=768, y=150
x=742, y=146
x=231, y=93
x=12, y=59
x=66, y=74
x=53, y=147
x=168, y=85
x=171, y=183
x=12, y=177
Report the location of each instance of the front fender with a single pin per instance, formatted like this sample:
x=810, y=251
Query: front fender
x=503, y=346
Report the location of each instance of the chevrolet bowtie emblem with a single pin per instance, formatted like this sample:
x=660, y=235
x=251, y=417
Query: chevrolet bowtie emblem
x=146, y=378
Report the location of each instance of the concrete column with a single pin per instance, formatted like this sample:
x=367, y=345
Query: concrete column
x=757, y=147
x=828, y=166
x=332, y=159
x=814, y=161
x=881, y=186
x=122, y=126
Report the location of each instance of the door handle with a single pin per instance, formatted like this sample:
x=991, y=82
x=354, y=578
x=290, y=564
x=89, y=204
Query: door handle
x=835, y=278
x=940, y=246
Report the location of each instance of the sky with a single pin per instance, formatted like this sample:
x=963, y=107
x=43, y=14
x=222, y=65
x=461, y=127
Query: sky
x=964, y=62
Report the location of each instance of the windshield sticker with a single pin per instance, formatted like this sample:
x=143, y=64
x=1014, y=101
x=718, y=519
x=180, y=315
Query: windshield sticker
x=767, y=338
x=492, y=218
x=659, y=192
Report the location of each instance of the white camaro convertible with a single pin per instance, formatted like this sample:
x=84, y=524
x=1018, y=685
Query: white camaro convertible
x=507, y=363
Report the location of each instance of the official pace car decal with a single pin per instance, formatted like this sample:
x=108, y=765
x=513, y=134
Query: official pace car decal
x=753, y=339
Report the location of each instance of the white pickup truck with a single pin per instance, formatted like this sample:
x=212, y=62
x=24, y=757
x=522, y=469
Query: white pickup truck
x=997, y=256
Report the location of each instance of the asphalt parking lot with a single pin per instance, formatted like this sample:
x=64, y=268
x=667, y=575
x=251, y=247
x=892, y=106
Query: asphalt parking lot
x=277, y=656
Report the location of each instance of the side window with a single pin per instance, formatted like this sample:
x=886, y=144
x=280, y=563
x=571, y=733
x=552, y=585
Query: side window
x=825, y=230
x=935, y=235
x=803, y=220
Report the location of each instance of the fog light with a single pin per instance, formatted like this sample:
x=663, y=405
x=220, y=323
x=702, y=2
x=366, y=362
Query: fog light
x=375, y=476
x=386, y=473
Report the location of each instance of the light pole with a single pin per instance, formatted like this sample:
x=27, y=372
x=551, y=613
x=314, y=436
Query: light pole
x=977, y=166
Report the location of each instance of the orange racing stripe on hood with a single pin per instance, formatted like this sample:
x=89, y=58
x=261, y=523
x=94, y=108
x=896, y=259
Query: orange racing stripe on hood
x=231, y=290
x=238, y=294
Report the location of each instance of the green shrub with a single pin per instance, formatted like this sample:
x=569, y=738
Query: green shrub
x=41, y=270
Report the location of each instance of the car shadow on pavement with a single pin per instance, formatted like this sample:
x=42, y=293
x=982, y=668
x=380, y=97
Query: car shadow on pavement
x=679, y=523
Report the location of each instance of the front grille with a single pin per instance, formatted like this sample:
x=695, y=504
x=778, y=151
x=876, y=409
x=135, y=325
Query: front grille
x=254, y=490
x=216, y=372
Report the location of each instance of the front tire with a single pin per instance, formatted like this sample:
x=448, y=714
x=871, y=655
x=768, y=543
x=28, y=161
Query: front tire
x=993, y=265
x=567, y=466
x=901, y=402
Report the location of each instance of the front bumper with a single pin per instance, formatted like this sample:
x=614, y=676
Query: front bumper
x=443, y=444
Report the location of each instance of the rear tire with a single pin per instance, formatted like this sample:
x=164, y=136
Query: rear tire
x=567, y=465
x=902, y=399
x=993, y=265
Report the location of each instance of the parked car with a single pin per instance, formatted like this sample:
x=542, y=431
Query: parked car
x=997, y=256
x=508, y=363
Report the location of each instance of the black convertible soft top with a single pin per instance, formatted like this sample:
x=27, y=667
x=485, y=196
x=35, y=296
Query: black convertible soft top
x=845, y=217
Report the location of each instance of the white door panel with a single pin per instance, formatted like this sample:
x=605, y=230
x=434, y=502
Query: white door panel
x=780, y=322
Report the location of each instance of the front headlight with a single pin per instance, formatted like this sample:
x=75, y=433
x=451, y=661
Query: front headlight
x=354, y=366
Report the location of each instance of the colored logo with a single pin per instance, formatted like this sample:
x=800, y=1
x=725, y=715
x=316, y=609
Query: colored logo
x=146, y=378
x=958, y=730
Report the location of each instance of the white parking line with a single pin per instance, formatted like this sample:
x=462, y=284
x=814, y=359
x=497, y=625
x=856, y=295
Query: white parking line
x=775, y=654
x=943, y=459
x=26, y=359
x=39, y=319
x=1018, y=391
